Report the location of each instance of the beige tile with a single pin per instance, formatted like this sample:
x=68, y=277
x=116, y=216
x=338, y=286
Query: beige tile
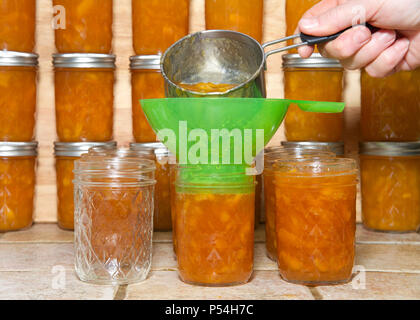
x=364, y=235
x=39, y=233
x=378, y=286
x=59, y=283
x=162, y=237
x=264, y=285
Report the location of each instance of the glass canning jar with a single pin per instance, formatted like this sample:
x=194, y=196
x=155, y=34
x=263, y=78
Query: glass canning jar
x=113, y=218
x=88, y=26
x=335, y=147
x=390, y=178
x=146, y=83
x=17, y=184
x=391, y=107
x=84, y=97
x=214, y=226
x=236, y=15
x=65, y=155
x=158, y=24
x=316, y=219
x=17, y=25
x=317, y=79
x=18, y=80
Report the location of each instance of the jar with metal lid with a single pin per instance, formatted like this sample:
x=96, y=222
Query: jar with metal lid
x=158, y=24
x=162, y=220
x=84, y=26
x=390, y=179
x=65, y=155
x=146, y=83
x=214, y=226
x=18, y=80
x=17, y=25
x=317, y=79
x=236, y=15
x=315, y=219
x=113, y=218
x=17, y=184
x=391, y=107
x=335, y=147
x=84, y=96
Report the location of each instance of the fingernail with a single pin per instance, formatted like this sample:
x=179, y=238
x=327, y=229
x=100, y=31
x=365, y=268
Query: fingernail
x=387, y=36
x=309, y=23
x=361, y=36
x=402, y=45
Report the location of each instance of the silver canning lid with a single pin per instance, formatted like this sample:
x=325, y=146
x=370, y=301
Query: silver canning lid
x=84, y=60
x=18, y=59
x=390, y=148
x=76, y=149
x=335, y=147
x=150, y=62
x=18, y=149
x=314, y=61
x=158, y=147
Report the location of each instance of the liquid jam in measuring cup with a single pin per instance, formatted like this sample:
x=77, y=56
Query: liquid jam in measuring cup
x=207, y=87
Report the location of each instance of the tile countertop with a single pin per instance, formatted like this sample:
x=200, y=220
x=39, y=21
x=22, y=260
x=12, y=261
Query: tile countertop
x=38, y=264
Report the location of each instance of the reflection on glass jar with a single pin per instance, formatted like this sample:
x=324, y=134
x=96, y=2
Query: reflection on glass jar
x=214, y=225
x=317, y=79
x=65, y=155
x=17, y=184
x=335, y=147
x=158, y=24
x=390, y=173
x=146, y=83
x=113, y=218
x=17, y=25
x=391, y=107
x=236, y=15
x=316, y=220
x=18, y=79
x=88, y=26
x=84, y=97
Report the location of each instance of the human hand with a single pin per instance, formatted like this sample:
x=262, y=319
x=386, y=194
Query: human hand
x=395, y=47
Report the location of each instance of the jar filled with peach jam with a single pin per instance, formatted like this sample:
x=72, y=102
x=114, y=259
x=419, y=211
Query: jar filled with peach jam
x=83, y=26
x=17, y=184
x=84, y=96
x=295, y=9
x=158, y=24
x=214, y=226
x=271, y=157
x=162, y=220
x=18, y=80
x=317, y=79
x=17, y=25
x=146, y=83
x=315, y=219
x=391, y=107
x=390, y=179
x=236, y=15
x=65, y=155
x=335, y=147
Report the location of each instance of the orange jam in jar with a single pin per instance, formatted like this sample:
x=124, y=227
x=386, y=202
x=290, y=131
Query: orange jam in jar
x=316, y=219
x=158, y=24
x=146, y=83
x=113, y=218
x=214, y=225
x=17, y=25
x=207, y=87
x=316, y=79
x=84, y=97
x=18, y=80
x=390, y=178
x=17, y=184
x=236, y=15
x=65, y=155
x=391, y=107
x=271, y=157
x=162, y=219
x=83, y=26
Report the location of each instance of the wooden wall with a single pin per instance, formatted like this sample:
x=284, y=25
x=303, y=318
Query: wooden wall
x=274, y=27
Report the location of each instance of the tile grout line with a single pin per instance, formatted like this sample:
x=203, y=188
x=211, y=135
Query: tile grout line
x=315, y=293
x=121, y=293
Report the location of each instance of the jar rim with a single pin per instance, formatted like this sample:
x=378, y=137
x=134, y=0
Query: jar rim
x=18, y=59
x=157, y=147
x=145, y=62
x=84, y=60
x=76, y=149
x=18, y=149
x=390, y=148
x=316, y=60
x=336, y=147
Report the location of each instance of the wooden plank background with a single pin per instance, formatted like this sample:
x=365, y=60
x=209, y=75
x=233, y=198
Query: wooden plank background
x=274, y=28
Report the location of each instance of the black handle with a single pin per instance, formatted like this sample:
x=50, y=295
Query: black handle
x=311, y=40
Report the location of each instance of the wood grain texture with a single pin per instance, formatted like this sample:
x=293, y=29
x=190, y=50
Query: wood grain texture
x=274, y=27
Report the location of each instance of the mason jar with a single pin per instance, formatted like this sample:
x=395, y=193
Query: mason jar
x=335, y=147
